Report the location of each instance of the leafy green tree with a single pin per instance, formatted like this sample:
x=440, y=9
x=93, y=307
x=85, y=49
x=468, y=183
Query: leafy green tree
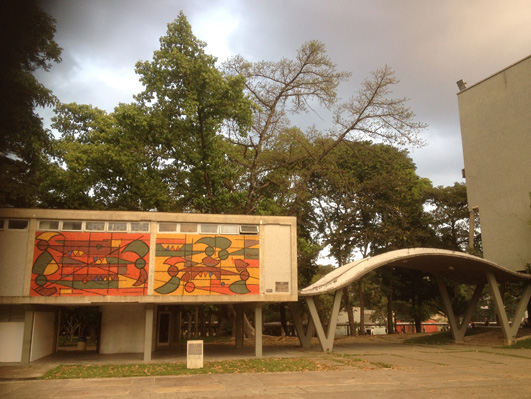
x=111, y=161
x=195, y=105
x=27, y=45
x=450, y=216
x=368, y=199
x=165, y=152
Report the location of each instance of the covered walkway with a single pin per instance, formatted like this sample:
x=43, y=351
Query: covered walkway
x=442, y=264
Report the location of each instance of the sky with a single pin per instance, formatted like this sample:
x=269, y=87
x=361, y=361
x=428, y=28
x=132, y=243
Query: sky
x=429, y=44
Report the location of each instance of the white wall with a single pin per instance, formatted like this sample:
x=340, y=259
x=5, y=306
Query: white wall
x=11, y=336
x=276, y=264
x=42, y=341
x=122, y=328
x=495, y=121
x=13, y=250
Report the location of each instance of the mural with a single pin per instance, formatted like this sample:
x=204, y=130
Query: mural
x=194, y=264
x=87, y=264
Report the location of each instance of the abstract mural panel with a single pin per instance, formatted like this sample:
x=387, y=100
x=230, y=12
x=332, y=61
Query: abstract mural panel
x=194, y=264
x=88, y=264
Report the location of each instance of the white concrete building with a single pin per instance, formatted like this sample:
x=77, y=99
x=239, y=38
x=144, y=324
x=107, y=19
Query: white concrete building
x=495, y=117
x=137, y=268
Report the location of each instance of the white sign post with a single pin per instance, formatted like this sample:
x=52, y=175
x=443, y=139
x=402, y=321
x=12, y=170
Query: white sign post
x=194, y=358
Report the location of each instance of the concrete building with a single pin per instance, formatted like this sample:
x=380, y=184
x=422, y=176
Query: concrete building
x=137, y=268
x=495, y=117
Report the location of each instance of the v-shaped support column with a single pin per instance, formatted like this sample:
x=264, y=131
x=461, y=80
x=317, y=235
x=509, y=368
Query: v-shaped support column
x=326, y=340
x=458, y=329
x=509, y=331
x=305, y=336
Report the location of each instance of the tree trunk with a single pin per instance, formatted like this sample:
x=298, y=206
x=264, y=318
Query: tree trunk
x=390, y=323
x=350, y=312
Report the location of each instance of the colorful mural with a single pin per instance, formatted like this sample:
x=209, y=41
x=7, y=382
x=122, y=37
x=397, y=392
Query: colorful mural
x=88, y=264
x=193, y=264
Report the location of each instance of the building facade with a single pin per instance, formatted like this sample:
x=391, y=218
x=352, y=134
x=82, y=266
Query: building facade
x=495, y=116
x=137, y=268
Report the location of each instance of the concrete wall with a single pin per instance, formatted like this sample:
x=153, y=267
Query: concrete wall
x=42, y=342
x=11, y=336
x=496, y=131
x=278, y=276
x=13, y=250
x=122, y=329
x=148, y=265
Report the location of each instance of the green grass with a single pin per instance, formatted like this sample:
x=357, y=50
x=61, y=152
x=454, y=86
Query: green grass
x=440, y=338
x=272, y=365
x=523, y=344
x=161, y=369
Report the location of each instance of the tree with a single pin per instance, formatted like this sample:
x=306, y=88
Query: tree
x=111, y=161
x=290, y=86
x=450, y=216
x=26, y=44
x=368, y=198
x=165, y=152
x=194, y=103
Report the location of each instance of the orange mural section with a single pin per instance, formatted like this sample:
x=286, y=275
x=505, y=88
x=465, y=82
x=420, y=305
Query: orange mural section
x=88, y=264
x=194, y=264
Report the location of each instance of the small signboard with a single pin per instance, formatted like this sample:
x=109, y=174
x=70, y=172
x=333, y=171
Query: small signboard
x=194, y=358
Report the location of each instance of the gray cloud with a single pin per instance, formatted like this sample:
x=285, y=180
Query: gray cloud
x=429, y=44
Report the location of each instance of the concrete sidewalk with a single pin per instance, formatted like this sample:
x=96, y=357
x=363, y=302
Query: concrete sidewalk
x=452, y=371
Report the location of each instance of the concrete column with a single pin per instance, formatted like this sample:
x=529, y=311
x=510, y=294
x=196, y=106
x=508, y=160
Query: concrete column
x=148, y=336
x=305, y=336
x=258, y=328
x=28, y=335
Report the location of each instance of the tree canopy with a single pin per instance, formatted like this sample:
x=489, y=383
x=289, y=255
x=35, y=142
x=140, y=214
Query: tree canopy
x=210, y=138
x=26, y=44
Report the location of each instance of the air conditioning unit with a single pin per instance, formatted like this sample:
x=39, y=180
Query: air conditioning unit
x=249, y=229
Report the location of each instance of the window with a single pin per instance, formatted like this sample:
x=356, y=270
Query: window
x=249, y=229
x=48, y=224
x=17, y=224
x=2, y=221
x=139, y=226
x=75, y=226
x=229, y=229
x=188, y=227
x=209, y=228
x=167, y=227
x=95, y=226
x=117, y=226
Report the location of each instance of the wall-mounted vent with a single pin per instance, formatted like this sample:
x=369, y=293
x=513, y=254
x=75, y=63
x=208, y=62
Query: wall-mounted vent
x=249, y=229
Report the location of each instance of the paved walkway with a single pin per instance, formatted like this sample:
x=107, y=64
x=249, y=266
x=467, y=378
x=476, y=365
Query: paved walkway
x=452, y=371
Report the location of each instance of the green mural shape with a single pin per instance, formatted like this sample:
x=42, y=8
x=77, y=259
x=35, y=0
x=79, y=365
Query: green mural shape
x=248, y=253
x=138, y=247
x=42, y=262
x=239, y=287
x=172, y=284
x=216, y=242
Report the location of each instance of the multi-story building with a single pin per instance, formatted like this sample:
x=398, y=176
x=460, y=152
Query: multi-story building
x=495, y=119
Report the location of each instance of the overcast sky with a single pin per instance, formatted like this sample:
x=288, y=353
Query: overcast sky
x=430, y=45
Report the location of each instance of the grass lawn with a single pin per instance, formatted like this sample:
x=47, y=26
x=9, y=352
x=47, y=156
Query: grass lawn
x=440, y=338
x=321, y=363
x=523, y=344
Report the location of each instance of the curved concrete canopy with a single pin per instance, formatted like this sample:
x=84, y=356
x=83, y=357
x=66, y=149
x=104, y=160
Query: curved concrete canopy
x=457, y=266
